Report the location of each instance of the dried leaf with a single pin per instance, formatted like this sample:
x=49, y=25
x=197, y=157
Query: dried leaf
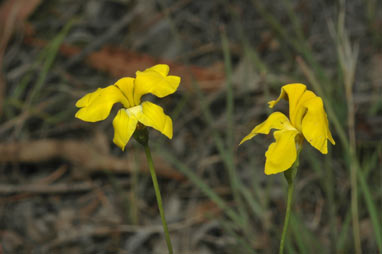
x=120, y=62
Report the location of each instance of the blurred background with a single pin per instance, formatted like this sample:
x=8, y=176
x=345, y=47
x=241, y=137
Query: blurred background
x=66, y=188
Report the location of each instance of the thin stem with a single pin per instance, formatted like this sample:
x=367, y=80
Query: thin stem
x=287, y=216
x=158, y=196
x=290, y=175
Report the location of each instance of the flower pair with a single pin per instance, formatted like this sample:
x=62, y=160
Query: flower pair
x=307, y=117
x=96, y=106
x=307, y=120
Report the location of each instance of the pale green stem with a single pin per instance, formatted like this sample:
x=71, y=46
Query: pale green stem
x=290, y=175
x=287, y=216
x=158, y=196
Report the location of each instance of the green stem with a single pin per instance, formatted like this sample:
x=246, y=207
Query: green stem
x=158, y=196
x=290, y=175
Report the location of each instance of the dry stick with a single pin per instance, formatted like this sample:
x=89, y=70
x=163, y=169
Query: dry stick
x=348, y=61
x=86, y=156
x=353, y=167
x=6, y=189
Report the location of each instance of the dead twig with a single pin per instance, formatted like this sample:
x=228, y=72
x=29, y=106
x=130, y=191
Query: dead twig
x=59, y=188
x=85, y=156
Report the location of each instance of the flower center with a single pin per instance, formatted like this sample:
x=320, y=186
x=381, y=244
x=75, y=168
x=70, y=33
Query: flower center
x=289, y=127
x=133, y=111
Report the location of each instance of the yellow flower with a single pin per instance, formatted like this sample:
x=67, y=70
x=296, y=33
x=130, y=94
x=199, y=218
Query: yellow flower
x=307, y=120
x=96, y=106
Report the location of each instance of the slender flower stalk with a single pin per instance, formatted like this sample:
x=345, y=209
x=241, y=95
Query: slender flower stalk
x=158, y=197
x=307, y=121
x=141, y=135
x=290, y=175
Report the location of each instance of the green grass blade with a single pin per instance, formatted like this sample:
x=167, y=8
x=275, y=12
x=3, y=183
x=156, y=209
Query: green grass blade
x=371, y=207
x=243, y=245
x=52, y=50
x=229, y=151
x=208, y=191
x=343, y=235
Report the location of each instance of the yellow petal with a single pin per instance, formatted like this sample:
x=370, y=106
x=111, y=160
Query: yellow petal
x=126, y=85
x=153, y=116
x=276, y=120
x=96, y=106
x=124, y=127
x=301, y=109
x=315, y=127
x=282, y=153
x=291, y=93
x=88, y=98
x=155, y=81
x=163, y=69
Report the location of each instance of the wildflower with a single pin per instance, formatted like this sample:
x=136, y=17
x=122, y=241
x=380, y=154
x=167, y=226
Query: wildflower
x=307, y=120
x=96, y=106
